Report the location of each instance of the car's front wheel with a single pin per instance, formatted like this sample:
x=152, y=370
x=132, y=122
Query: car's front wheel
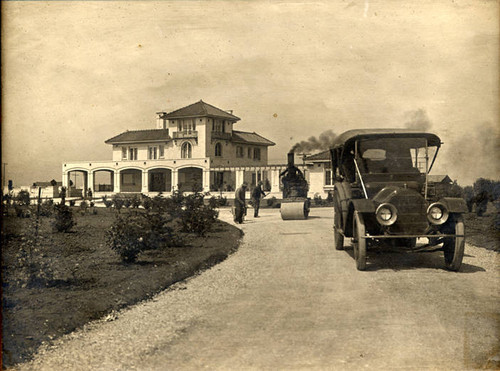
x=358, y=242
x=454, y=246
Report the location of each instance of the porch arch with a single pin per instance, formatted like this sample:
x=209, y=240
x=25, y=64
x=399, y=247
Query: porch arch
x=190, y=178
x=103, y=180
x=77, y=186
x=159, y=179
x=130, y=180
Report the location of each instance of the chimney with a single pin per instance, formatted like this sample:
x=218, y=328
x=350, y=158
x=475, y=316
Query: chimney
x=161, y=120
x=230, y=111
x=291, y=159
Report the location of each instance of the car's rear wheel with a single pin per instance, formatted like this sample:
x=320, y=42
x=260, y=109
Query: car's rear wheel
x=359, y=243
x=337, y=236
x=453, y=247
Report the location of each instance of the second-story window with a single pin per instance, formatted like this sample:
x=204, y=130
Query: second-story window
x=218, y=150
x=152, y=153
x=162, y=151
x=186, y=126
x=186, y=150
x=218, y=126
x=249, y=152
x=239, y=151
x=124, y=153
x=256, y=154
x=132, y=153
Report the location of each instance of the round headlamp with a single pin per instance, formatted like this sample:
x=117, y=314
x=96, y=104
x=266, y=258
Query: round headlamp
x=437, y=213
x=386, y=214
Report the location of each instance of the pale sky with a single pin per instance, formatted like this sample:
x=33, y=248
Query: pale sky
x=76, y=74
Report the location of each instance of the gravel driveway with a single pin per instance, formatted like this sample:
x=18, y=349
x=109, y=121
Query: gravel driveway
x=287, y=300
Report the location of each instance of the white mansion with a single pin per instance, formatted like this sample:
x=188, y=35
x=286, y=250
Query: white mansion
x=192, y=146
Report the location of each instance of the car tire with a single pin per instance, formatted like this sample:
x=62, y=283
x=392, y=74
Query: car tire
x=337, y=236
x=359, y=243
x=453, y=247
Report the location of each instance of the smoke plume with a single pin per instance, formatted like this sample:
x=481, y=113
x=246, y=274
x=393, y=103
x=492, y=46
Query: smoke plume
x=474, y=154
x=417, y=120
x=322, y=143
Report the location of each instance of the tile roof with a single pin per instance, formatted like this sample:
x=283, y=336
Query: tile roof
x=250, y=138
x=320, y=157
x=131, y=136
x=200, y=109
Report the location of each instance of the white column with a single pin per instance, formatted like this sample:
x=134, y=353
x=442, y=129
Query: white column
x=240, y=176
x=275, y=180
x=145, y=182
x=175, y=180
x=65, y=180
x=116, y=182
x=206, y=180
x=90, y=180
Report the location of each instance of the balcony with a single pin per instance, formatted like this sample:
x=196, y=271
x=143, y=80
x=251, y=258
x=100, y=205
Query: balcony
x=188, y=134
x=220, y=135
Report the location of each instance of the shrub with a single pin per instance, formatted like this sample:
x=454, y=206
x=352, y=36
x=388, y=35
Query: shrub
x=23, y=198
x=134, y=233
x=107, y=203
x=213, y=202
x=72, y=202
x=147, y=202
x=329, y=198
x=271, y=201
x=117, y=202
x=218, y=201
x=126, y=237
x=34, y=270
x=175, y=203
x=159, y=203
x=318, y=201
x=136, y=202
x=22, y=211
x=197, y=217
x=127, y=202
x=47, y=208
x=221, y=201
x=64, y=220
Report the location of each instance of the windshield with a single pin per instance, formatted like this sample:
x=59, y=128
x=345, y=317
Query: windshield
x=393, y=155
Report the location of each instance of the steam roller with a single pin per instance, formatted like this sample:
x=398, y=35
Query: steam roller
x=295, y=204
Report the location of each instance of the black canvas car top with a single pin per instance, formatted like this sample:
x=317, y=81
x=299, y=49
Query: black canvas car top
x=351, y=135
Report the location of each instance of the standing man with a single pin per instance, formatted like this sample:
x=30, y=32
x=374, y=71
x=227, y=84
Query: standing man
x=256, y=193
x=239, y=203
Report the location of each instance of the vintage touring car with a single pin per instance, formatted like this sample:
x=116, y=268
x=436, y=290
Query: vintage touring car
x=382, y=198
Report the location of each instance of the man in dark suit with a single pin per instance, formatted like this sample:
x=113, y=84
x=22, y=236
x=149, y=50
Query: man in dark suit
x=256, y=194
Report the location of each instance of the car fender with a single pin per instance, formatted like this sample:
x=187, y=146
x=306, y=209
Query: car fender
x=454, y=205
x=363, y=206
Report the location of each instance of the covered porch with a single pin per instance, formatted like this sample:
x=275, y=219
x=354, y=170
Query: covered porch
x=100, y=180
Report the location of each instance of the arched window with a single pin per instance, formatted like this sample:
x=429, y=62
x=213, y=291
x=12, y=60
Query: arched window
x=186, y=150
x=218, y=150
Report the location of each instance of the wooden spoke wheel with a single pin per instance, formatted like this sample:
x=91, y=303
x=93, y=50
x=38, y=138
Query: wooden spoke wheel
x=359, y=243
x=453, y=247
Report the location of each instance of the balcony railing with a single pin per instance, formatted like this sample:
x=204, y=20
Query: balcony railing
x=185, y=134
x=220, y=135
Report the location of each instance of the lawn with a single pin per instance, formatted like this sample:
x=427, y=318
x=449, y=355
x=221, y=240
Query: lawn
x=90, y=279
